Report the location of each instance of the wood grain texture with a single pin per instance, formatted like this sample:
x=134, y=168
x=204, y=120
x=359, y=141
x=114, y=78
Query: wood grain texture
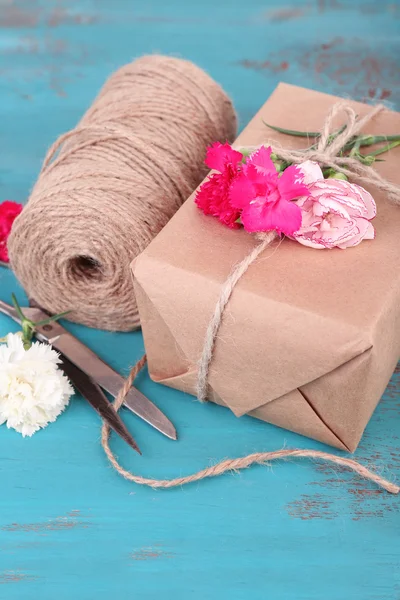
x=69, y=525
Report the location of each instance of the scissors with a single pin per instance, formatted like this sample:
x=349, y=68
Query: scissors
x=91, y=375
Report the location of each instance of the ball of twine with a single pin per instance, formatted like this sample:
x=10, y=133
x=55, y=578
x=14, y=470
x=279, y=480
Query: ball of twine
x=110, y=185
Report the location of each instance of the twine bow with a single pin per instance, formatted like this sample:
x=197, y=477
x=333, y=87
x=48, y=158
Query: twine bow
x=328, y=150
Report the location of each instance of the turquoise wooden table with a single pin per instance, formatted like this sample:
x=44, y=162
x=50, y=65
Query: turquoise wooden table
x=69, y=525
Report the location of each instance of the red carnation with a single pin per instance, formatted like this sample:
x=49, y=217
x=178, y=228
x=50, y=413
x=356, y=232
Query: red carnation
x=9, y=211
x=213, y=196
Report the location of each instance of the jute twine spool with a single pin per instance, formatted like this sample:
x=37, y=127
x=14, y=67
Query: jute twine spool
x=108, y=187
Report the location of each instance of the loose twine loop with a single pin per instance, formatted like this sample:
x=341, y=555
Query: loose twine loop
x=230, y=464
x=325, y=154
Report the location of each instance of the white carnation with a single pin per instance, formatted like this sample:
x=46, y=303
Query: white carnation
x=33, y=389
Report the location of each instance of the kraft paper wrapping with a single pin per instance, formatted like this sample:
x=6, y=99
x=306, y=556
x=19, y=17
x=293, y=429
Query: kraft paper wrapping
x=310, y=338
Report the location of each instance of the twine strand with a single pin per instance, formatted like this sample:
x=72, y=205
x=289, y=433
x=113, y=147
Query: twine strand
x=215, y=323
x=353, y=127
x=232, y=464
x=342, y=138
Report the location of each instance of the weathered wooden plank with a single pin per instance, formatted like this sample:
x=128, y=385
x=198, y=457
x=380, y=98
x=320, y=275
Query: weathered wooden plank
x=68, y=524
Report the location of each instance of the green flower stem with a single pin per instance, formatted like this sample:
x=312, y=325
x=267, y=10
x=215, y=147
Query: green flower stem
x=356, y=148
x=394, y=144
x=28, y=326
x=17, y=307
x=365, y=159
x=27, y=334
x=52, y=319
x=370, y=140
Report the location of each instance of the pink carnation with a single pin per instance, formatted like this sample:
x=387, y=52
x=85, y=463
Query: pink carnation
x=335, y=214
x=213, y=196
x=265, y=198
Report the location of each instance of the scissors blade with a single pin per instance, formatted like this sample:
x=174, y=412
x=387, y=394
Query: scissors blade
x=96, y=398
x=93, y=366
x=111, y=381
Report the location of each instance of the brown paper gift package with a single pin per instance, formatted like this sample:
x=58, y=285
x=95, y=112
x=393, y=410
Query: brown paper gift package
x=310, y=338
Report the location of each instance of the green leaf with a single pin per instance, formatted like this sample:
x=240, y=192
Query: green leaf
x=246, y=152
x=292, y=131
x=337, y=175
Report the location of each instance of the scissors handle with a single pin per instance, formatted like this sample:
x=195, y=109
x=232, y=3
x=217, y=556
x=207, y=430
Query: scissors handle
x=92, y=392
